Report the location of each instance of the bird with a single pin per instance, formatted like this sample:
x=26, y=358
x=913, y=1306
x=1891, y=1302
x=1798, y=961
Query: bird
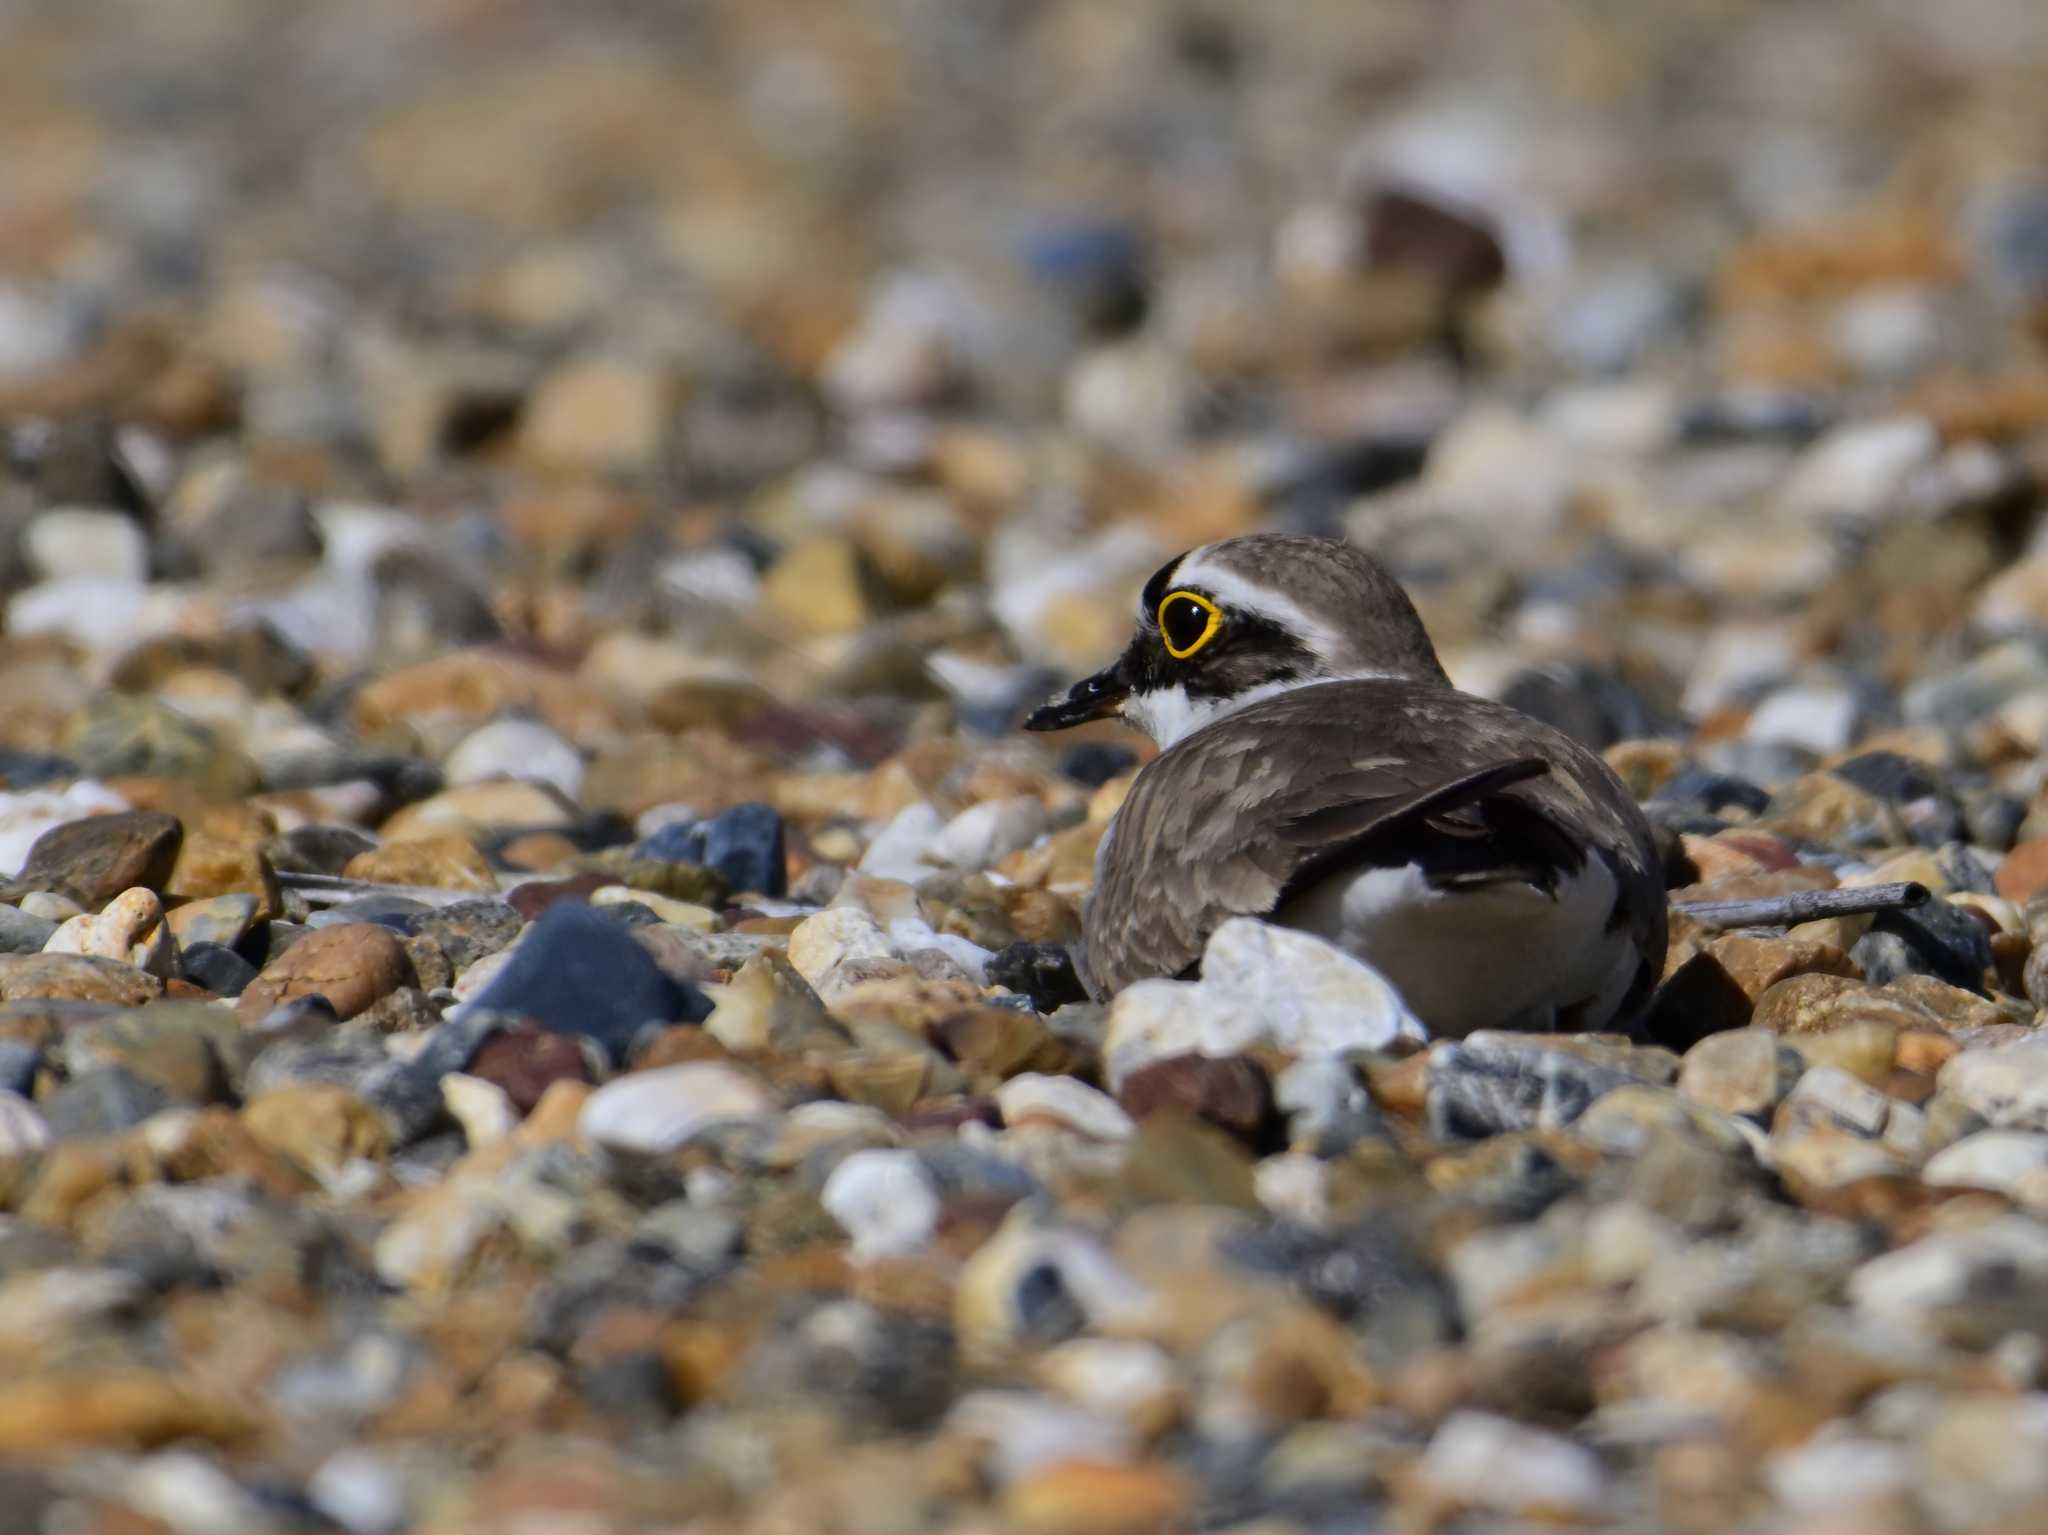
x=1318, y=769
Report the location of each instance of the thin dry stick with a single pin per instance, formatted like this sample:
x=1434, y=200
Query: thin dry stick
x=1804, y=905
x=332, y=890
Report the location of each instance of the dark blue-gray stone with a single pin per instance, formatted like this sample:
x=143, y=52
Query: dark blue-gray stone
x=743, y=845
x=23, y=932
x=218, y=968
x=1943, y=939
x=579, y=972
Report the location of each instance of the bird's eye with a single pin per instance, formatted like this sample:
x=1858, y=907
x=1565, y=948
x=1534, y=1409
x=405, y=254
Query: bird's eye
x=1187, y=622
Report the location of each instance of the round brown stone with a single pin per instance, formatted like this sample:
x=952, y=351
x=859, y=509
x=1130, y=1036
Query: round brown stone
x=352, y=966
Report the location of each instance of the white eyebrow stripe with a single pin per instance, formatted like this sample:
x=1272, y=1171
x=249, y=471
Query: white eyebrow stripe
x=1233, y=590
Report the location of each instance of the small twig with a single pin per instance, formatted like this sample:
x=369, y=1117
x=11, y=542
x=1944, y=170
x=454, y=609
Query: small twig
x=1803, y=905
x=333, y=890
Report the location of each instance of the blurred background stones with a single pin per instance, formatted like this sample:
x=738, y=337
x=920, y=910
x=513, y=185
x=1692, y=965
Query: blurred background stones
x=531, y=971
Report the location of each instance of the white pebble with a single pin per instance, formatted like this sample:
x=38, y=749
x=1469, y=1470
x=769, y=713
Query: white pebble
x=652, y=1112
x=1493, y=1462
x=515, y=748
x=1312, y=997
x=2005, y=1160
x=827, y=947
x=983, y=834
x=23, y=1130
x=357, y=1490
x=1025, y=1431
x=905, y=848
x=77, y=541
x=26, y=816
x=885, y=1201
x=1071, y=1104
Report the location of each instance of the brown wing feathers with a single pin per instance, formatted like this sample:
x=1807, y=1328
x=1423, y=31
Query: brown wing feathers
x=1230, y=820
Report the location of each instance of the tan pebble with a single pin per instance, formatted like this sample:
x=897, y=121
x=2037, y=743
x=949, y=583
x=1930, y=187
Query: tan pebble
x=321, y=1127
x=1957, y=1008
x=1863, y=1047
x=1739, y=1072
x=554, y=1118
x=2023, y=874
x=75, y=978
x=2000, y=914
x=817, y=587
x=1401, y=1086
x=605, y=414
x=440, y=861
x=766, y=1004
x=1096, y=1498
x=472, y=687
x=1756, y=964
x=119, y=1411
x=482, y=1108
x=685, y=914
x=212, y=865
x=469, y=810
x=1842, y=932
x=1924, y=1051
x=1815, y=1003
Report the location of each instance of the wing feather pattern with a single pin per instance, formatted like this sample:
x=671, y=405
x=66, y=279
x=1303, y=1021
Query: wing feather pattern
x=1245, y=810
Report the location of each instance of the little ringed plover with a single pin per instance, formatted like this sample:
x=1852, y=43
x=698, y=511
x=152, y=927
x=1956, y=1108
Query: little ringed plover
x=1319, y=770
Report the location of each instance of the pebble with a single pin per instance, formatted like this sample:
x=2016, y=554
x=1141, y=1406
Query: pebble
x=23, y=932
x=1494, y=1463
x=1743, y=1073
x=1065, y=1104
x=95, y=859
x=515, y=748
x=1312, y=998
x=745, y=846
x=1495, y=1084
x=23, y=1130
x=2007, y=1084
x=840, y=947
x=104, y=1101
x=651, y=1112
x=352, y=966
x=130, y=929
x=1259, y=982
x=577, y=973
x=2013, y=1162
x=885, y=1201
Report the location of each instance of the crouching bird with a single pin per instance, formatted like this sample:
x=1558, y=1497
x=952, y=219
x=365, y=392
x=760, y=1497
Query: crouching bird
x=1319, y=770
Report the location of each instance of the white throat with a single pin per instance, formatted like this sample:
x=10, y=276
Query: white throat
x=1168, y=715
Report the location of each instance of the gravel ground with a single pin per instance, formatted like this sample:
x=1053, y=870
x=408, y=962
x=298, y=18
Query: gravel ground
x=529, y=995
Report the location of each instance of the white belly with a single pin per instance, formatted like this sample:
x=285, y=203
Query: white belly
x=1499, y=956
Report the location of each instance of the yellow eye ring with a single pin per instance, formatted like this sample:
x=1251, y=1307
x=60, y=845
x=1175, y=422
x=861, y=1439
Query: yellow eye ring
x=1171, y=622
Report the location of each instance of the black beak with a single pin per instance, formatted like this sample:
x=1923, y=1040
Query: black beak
x=1092, y=698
